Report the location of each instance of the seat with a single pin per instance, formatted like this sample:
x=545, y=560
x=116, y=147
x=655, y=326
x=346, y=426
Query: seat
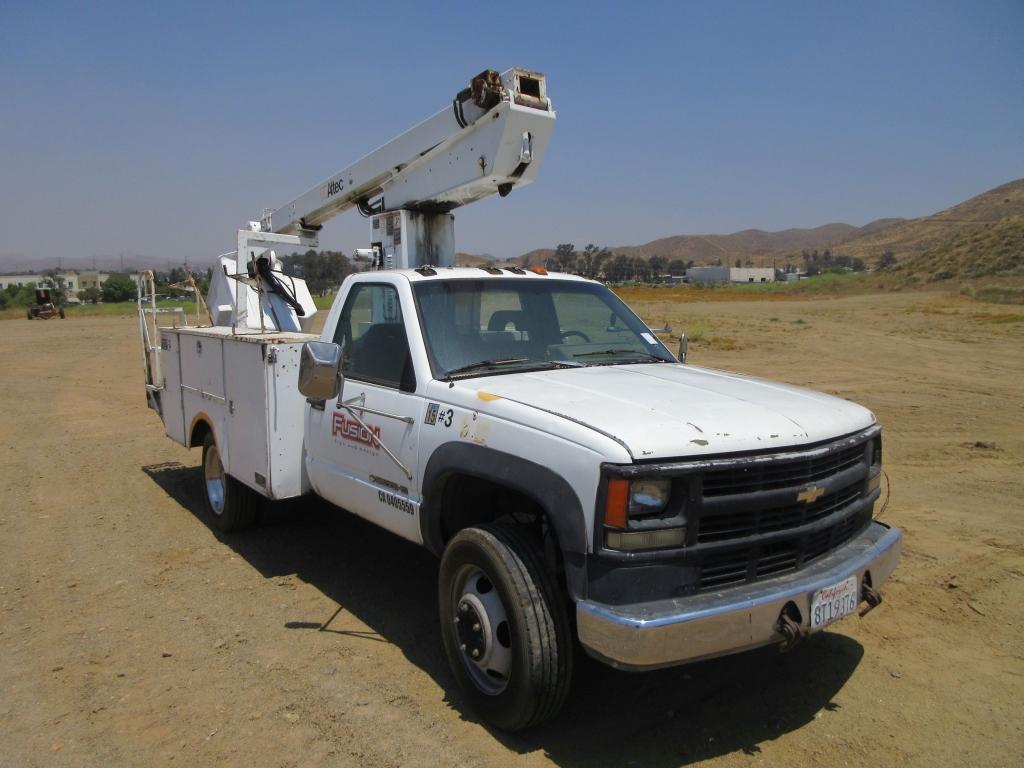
x=382, y=354
x=501, y=318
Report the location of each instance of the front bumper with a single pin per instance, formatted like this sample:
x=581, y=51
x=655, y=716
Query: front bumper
x=678, y=630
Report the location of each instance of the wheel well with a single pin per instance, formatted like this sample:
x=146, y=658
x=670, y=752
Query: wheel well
x=200, y=429
x=467, y=500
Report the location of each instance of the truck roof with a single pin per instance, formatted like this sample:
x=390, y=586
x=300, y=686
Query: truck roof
x=482, y=273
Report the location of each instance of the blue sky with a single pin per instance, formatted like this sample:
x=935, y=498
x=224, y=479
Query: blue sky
x=158, y=129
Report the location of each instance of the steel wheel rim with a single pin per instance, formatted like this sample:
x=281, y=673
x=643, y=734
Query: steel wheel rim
x=483, y=635
x=213, y=474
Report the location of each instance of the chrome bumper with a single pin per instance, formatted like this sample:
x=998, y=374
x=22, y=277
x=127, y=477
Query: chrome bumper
x=678, y=630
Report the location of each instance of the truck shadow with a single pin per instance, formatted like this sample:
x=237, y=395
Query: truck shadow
x=667, y=717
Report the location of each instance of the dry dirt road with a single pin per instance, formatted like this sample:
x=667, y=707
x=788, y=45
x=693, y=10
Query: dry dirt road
x=133, y=634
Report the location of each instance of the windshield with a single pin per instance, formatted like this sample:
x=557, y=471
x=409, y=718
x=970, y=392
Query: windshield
x=484, y=327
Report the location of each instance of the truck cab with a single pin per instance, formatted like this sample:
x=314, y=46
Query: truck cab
x=534, y=433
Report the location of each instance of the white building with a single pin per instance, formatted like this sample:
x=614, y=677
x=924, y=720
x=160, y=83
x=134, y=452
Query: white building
x=730, y=275
x=751, y=275
x=707, y=275
x=74, y=280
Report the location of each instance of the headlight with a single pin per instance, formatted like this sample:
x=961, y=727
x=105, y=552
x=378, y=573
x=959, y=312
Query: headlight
x=637, y=517
x=649, y=496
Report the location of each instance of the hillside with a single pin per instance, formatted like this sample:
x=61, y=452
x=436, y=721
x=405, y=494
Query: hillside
x=912, y=237
x=756, y=245
x=906, y=238
x=994, y=249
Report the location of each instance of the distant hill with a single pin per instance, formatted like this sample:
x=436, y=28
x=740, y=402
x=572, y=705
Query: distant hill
x=749, y=244
x=994, y=249
x=912, y=237
x=906, y=238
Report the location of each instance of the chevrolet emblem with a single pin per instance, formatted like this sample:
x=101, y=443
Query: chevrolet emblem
x=810, y=495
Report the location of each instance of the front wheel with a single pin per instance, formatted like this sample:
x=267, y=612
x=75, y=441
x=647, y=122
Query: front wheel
x=232, y=506
x=504, y=625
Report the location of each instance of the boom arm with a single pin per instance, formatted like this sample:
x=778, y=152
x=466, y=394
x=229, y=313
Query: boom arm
x=491, y=138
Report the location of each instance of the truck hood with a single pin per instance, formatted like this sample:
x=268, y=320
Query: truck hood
x=664, y=410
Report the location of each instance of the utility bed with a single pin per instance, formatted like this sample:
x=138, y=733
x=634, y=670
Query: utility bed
x=245, y=388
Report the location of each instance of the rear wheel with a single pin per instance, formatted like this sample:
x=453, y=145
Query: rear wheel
x=504, y=625
x=231, y=505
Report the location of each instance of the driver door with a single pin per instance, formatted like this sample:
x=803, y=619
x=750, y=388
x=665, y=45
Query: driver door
x=362, y=450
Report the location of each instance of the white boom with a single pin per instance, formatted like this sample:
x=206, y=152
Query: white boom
x=490, y=139
x=451, y=159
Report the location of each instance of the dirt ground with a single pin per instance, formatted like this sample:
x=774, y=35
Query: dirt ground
x=133, y=634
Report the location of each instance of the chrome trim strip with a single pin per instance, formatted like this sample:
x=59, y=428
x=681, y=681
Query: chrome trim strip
x=201, y=393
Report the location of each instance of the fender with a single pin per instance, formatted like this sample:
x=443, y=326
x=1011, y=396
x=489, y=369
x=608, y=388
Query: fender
x=551, y=492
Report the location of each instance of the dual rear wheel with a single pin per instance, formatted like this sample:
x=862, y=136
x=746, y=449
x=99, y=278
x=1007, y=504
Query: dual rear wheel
x=231, y=505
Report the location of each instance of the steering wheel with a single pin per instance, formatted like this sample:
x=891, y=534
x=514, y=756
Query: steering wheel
x=565, y=334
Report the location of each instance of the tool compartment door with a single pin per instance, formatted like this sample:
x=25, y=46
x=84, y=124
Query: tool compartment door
x=202, y=366
x=246, y=420
x=285, y=413
x=171, y=406
x=202, y=385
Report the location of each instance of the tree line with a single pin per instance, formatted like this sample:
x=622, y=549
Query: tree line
x=601, y=263
x=323, y=271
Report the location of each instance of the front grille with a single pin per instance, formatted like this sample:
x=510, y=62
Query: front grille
x=731, y=525
x=753, y=528
x=769, y=475
x=750, y=563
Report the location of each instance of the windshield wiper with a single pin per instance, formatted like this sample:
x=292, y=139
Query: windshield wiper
x=485, y=364
x=640, y=352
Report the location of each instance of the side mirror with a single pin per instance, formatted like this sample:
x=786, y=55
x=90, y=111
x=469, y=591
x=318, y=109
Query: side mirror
x=683, y=344
x=320, y=370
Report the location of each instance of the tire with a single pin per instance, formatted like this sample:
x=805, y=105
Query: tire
x=494, y=574
x=28, y=313
x=61, y=313
x=231, y=505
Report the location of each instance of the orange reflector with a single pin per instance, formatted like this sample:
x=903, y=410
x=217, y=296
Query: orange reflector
x=617, y=503
x=537, y=270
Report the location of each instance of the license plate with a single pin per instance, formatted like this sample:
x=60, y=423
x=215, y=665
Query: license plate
x=832, y=603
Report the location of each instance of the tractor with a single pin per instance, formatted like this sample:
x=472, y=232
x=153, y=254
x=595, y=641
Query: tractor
x=44, y=308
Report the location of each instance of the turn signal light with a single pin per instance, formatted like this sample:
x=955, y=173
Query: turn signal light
x=537, y=270
x=616, y=504
x=631, y=540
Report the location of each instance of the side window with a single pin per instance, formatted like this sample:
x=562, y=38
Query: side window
x=371, y=332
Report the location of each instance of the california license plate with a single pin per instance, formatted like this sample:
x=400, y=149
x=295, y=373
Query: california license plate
x=832, y=603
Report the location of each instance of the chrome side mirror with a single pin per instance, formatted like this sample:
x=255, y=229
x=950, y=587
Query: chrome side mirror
x=683, y=344
x=320, y=375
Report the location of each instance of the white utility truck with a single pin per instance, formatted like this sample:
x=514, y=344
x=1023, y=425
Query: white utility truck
x=577, y=480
